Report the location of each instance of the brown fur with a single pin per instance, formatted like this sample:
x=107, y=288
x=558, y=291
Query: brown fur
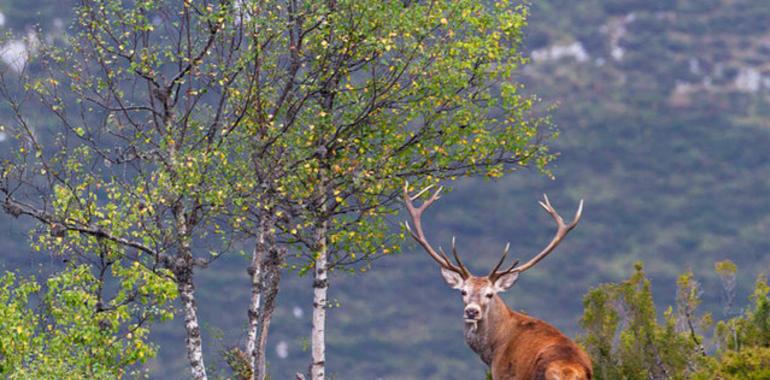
x=519, y=347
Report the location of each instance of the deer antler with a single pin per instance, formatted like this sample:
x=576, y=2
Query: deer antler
x=562, y=230
x=465, y=271
x=494, y=274
x=417, y=233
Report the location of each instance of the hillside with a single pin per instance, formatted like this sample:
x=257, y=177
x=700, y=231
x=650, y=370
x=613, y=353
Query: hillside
x=663, y=113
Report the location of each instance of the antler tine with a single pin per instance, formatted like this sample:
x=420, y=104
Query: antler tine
x=494, y=275
x=457, y=258
x=421, y=191
x=502, y=259
x=513, y=265
x=418, y=234
x=409, y=199
x=460, y=268
x=444, y=255
x=562, y=231
x=578, y=213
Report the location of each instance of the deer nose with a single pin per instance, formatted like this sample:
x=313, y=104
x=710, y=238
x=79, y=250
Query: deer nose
x=471, y=313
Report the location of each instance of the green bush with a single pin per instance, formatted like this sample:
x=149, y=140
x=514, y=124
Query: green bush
x=626, y=339
x=60, y=331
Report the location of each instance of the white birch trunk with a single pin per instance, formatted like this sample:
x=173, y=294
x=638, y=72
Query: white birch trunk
x=320, y=288
x=192, y=328
x=265, y=279
x=183, y=273
x=255, y=270
x=183, y=269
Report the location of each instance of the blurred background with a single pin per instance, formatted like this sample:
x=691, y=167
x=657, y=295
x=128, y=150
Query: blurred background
x=663, y=109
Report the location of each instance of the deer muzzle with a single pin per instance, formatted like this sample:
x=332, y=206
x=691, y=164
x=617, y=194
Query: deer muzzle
x=472, y=313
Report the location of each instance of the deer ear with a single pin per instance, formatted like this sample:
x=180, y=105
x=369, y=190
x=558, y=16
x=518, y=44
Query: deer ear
x=452, y=278
x=506, y=281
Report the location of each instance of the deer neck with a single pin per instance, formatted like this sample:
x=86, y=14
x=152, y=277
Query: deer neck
x=485, y=337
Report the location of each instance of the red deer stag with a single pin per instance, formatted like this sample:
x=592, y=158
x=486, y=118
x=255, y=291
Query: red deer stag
x=515, y=346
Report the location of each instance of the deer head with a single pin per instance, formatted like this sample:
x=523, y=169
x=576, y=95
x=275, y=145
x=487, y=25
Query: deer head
x=479, y=291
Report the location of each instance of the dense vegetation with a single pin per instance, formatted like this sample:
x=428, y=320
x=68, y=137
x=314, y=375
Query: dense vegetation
x=662, y=109
x=49, y=331
x=627, y=340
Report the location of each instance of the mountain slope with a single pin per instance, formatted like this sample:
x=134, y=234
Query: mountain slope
x=663, y=112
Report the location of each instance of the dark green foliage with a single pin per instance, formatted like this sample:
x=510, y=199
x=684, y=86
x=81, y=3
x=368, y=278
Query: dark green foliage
x=627, y=340
x=624, y=337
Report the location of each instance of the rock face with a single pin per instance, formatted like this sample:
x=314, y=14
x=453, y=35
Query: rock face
x=694, y=48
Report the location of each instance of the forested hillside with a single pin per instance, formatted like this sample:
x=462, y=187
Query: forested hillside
x=663, y=113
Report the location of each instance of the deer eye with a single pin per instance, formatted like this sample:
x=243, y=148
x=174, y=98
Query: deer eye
x=463, y=292
x=489, y=295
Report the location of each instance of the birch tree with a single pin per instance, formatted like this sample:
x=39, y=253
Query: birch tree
x=358, y=96
x=140, y=101
x=293, y=123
